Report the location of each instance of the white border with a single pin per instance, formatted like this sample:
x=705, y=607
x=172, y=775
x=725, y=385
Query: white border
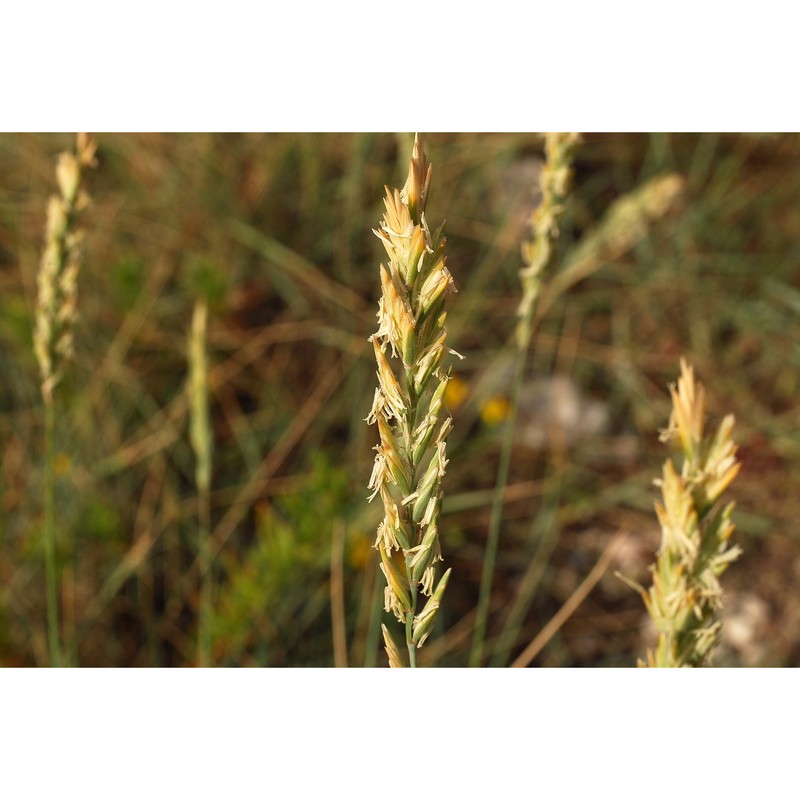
x=613, y=66
x=364, y=733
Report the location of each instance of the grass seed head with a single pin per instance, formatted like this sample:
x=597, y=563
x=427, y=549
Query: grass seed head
x=410, y=348
x=695, y=529
x=56, y=309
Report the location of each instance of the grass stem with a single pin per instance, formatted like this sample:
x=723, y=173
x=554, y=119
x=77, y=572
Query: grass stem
x=338, y=623
x=202, y=442
x=51, y=572
x=536, y=254
x=52, y=340
x=493, y=538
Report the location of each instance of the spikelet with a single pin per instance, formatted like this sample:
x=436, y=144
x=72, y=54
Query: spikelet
x=408, y=408
x=536, y=253
x=56, y=309
x=200, y=433
x=696, y=529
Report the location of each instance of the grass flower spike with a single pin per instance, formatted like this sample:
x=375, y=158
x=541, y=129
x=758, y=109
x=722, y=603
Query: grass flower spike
x=555, y=184
x=56, y=312
x=408, y=407
x=202, y=440
x=58, y=272
x=696, y=528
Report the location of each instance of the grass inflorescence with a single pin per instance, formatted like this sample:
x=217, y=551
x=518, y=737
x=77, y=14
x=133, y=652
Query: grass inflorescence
x=56, y=313
x=408, y=408
x=536, y=254
x=686, y=595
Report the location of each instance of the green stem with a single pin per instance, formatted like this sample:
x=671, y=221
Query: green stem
x=546, y=527
x=536, y=256
x=490, y=554
x=204, y=633
x=412, y=649
x=202, y=442
x=51, y=575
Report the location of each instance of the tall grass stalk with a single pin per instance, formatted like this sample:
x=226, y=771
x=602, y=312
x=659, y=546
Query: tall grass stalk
x=623, y=227
x=202, y=443
x=536, y=254
x=51, y=572
x=696, y=528
x=408, y=408
x=56, y=312
x=338, y=622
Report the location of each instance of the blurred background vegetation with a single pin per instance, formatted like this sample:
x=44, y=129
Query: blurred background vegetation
x=276, y=229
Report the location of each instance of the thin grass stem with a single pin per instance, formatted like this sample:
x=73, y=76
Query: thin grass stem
x=202, y=442
x=572, y=604
x=547, y=524
x=536, y=254
x=338, y=620
x=493, y=538
x=51, y=573
x=56, y=312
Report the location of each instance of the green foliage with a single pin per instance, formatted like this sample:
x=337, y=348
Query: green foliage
x=128, y=277
x=265, y=593
x=204, y=278
x=15, y=320
x=99, y=520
